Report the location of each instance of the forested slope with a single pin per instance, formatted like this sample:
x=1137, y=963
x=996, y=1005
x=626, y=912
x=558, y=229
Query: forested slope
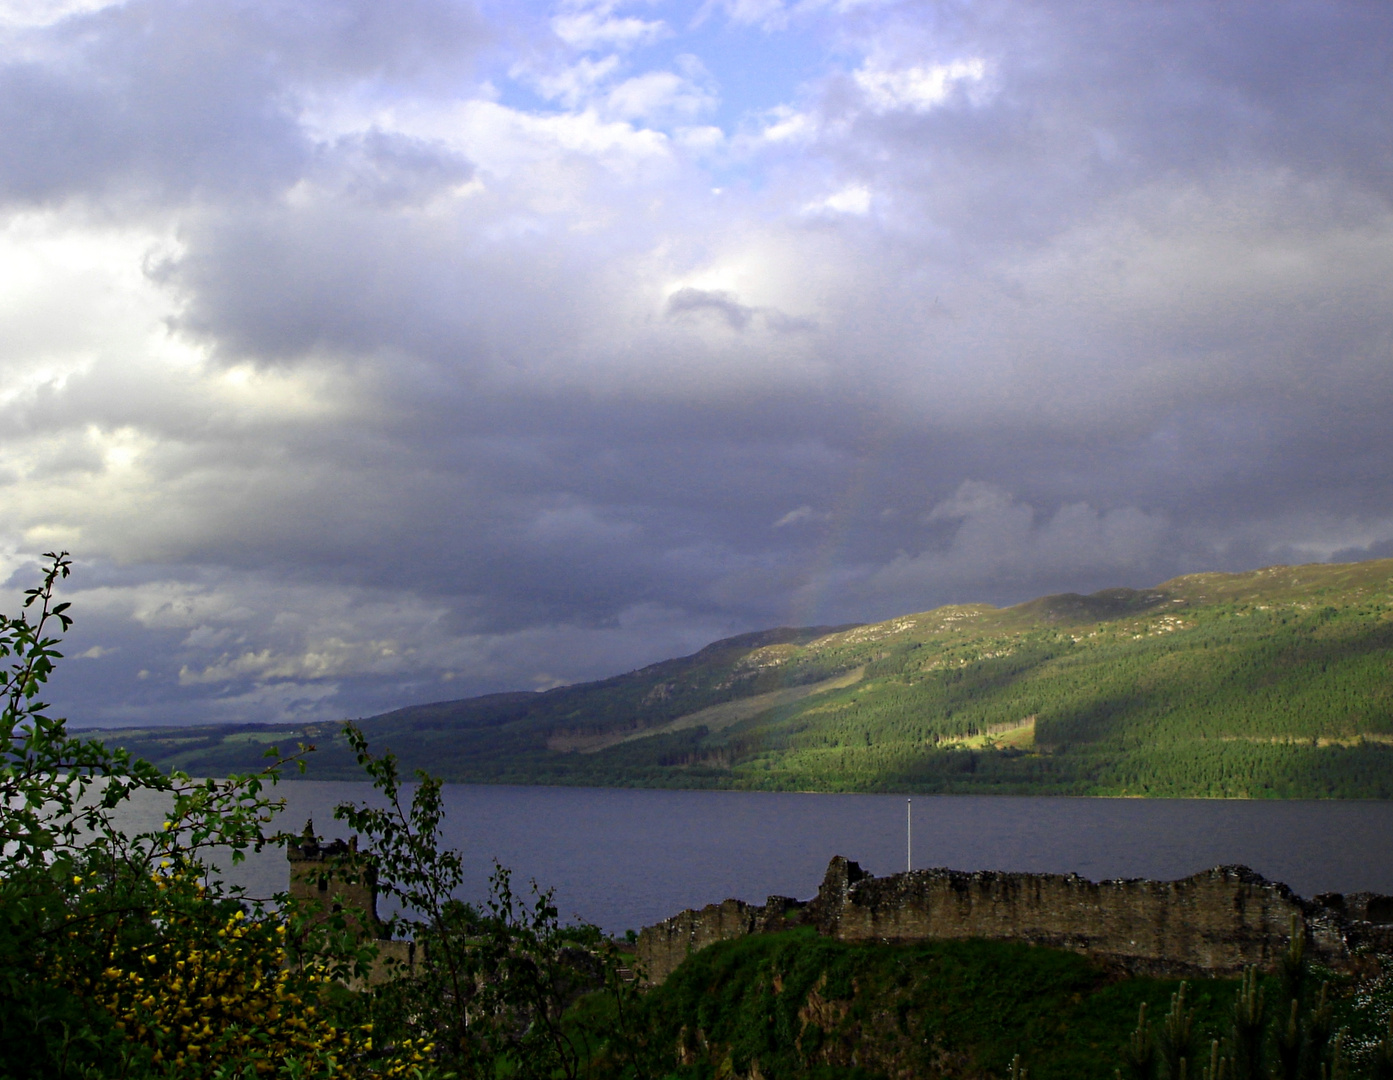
x=1270, y=683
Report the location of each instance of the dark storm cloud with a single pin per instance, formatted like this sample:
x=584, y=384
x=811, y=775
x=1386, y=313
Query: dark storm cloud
x=162, y=99
x=377, y=386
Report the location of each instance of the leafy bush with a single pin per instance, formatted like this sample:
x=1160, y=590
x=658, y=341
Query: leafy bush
x=490, y=988
x=122, y=953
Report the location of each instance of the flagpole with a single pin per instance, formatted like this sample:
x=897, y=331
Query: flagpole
x=908, y=836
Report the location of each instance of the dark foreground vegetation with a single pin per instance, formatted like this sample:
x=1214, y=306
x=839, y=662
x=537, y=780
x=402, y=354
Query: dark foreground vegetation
x=797, y=1005
x=1271, y=684
x=122, y=954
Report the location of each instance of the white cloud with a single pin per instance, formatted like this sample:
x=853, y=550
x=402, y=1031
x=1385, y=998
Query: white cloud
x=999, y=541
x=594, y=25
x=854, y=199
x=973, y=498
x=652, y=96
x=793, y=517
x=524, y=148
x=235, y=628
x=37, y=13
x=285, y=700
x=657, y=95
x=770, y=14
x=787, y=125
x=917, y=88
x=700, y=139
x=576, y=83
x=54, y=263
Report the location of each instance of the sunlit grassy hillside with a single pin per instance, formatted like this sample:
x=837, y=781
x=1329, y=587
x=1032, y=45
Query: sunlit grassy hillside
x=1270, y=683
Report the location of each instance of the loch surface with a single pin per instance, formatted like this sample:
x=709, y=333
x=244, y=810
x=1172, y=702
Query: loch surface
x=626, y=858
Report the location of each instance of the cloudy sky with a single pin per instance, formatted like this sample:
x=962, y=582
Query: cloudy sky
x=367, y=354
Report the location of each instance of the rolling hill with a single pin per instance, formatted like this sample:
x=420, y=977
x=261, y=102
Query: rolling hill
x=1274, y=683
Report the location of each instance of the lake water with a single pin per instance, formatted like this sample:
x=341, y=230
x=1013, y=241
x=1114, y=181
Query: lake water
x=626, y=858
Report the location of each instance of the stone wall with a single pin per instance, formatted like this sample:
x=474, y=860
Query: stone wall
x=1218, y=921
x=662, y=947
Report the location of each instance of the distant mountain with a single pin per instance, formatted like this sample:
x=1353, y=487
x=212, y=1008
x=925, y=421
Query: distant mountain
x=1275, y=683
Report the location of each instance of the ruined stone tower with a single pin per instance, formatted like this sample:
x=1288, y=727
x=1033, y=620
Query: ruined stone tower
x=335, y=875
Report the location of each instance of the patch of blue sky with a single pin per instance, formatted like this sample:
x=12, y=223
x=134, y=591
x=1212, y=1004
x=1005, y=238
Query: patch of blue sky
x=752, y=68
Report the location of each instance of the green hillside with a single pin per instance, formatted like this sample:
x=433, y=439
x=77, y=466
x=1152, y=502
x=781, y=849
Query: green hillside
x=1274, y=683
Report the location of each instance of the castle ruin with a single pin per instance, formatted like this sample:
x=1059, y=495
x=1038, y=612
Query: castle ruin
x=1217, y=922
x=335, y=876
x=338, y=879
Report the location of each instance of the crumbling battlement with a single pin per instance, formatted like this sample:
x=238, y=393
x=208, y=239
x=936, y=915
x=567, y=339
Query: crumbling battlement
x=1219, y=921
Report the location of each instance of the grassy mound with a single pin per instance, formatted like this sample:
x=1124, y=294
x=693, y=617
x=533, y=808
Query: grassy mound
x=798, y=1005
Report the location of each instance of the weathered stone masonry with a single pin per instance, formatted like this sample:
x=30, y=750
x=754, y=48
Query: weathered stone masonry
x=1218, y=921
x=312, y=877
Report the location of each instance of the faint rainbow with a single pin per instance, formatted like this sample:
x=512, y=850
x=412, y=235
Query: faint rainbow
x=847, y=511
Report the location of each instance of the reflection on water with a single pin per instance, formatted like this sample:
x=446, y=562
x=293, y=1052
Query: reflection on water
x=626, y=858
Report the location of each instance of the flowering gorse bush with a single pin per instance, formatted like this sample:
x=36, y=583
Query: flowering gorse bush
x=192, y=984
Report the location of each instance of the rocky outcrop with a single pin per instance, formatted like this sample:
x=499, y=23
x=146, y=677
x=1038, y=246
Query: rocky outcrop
x=1218, y=921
